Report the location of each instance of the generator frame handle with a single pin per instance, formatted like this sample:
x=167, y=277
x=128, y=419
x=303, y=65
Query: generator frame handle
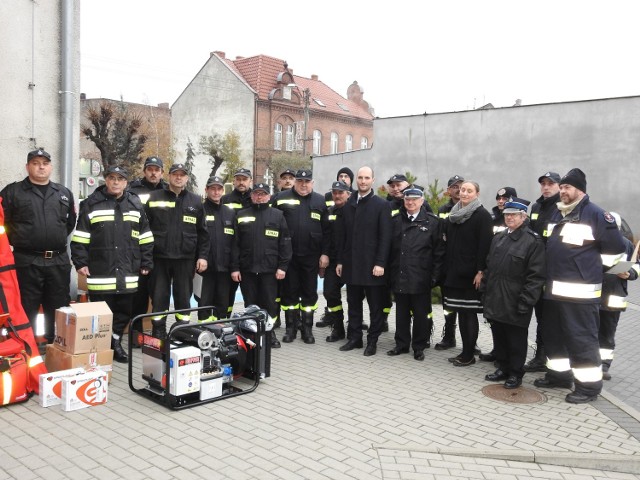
x=163, y=397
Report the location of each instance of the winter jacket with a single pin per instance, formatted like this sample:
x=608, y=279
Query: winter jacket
x=515, y=274
x=114, y=240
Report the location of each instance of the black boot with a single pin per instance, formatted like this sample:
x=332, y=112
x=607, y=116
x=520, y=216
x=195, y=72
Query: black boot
x=159, y=329
x=326, y=320
x=538, y=363
x=307, y=328
x=275, y=343
x=448, y=334
x=337, y=329
x=119, y=355
x=290, y=321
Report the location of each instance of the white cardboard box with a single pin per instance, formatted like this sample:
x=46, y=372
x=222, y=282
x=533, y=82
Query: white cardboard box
x=86, y=390
x=51, y=386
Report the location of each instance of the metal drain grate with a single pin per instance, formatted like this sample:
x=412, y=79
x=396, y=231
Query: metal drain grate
x=517, y=395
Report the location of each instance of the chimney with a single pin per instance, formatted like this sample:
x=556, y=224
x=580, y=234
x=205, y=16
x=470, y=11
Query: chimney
x=238, y=57
x=83, y=96
x=219, y=53
x=314, y=78
x=518, y=102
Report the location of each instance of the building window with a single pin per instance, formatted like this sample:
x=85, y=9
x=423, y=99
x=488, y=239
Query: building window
x=277, y=137
x=319, y=102
x=348, y=143
x=343, y=107
x=334, y=142
x=364, y=142
x=290, y=138
x=317, y=142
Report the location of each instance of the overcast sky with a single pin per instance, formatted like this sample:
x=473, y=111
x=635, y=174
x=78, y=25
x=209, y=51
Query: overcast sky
x=409, y=56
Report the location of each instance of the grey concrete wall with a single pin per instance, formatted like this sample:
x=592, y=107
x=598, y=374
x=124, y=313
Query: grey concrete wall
x=30, y=35
x=512, y=147
x=215, y=101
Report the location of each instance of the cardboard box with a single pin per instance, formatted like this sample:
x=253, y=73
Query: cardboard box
x=85, y=390
x=83, y=327
x=51, y=386
x=56, y=360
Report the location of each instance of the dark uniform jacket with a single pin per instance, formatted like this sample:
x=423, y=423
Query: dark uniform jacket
x=513, y=280
x=37, y=223
x=262, y=243
x=143, y=188
x=614, y=288
x=114, y=240
x=579, y=246
x=444, y=210
x=541, y=213
x=497, y=218
x=236, y=200
x=334, y=218
x=221, y=224
x=467, y=248
x=366, y=239
x=307, y=220
x=178, y=226
x=417, y=253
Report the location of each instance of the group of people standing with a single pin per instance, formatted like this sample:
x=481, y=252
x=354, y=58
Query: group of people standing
x=143, y=241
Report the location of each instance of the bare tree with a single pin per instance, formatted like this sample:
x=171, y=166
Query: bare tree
x=116, y=134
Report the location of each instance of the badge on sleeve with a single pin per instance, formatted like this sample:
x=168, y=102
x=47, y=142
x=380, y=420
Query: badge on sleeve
x=609, y=218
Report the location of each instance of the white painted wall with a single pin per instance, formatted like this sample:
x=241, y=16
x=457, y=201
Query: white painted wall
x=215, y=101
x=30, y=53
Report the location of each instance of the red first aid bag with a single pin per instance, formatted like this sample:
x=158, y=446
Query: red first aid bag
x=14, y=376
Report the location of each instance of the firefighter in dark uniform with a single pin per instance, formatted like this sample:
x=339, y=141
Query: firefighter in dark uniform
x=502, y=196
x=512, y=284
x=216, y=280
x=614, y=294
x=113, y=246
x=181, y=243
x=541, y=212
x=39, y=216
x=344, y=175
x=449, y=330
x=152, y=180
x=584, y=240
x=261, y=253
x=332, y=286
x=239, y=198
x=417, y=254
x=305, y=212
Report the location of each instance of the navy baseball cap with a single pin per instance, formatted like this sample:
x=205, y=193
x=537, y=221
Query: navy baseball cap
x=40, y=152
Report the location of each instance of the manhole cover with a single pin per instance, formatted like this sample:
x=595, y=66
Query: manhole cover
x=517, y=395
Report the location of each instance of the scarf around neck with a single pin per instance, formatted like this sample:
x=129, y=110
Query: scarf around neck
x=567, y=209
x=460, y=214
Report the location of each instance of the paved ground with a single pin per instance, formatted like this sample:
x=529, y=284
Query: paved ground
x=340, y=415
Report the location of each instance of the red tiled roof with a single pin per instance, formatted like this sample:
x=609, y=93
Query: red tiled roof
x=261, y=73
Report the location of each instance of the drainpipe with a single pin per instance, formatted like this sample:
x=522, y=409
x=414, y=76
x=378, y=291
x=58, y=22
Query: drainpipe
x=66, y=91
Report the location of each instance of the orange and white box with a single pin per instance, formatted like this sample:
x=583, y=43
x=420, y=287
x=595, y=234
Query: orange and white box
x=51, y=386
x=86, y=390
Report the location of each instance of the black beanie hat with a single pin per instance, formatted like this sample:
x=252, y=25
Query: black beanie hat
x=346, y=170
x=576, y=178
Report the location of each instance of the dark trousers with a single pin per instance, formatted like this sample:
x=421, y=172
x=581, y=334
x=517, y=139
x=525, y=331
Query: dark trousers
x=46, y=286
x=510, y=347
x=301, y=284
x=420, y=305
x=172, y=276
x=469, y=329
x=375, y=298
x=607, y=335
x=215, y=292
x=260, y=289
x=538, y=308
x=121, y=306
x=572, y=333
x=331, y=289
x=141, y=297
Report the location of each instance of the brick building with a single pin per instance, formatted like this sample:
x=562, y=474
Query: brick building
x=261, y=100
